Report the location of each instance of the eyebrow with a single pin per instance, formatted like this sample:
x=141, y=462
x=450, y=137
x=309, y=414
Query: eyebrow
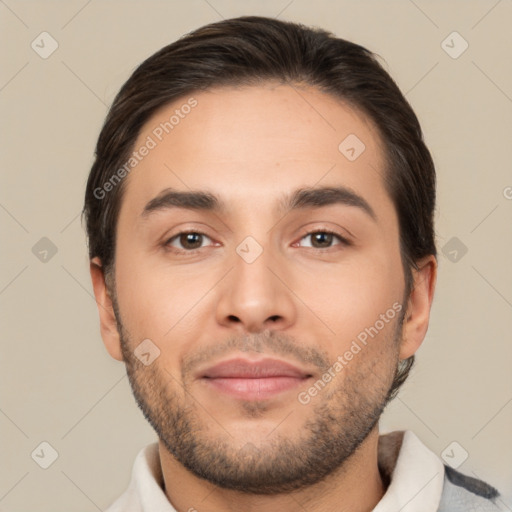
x=301, y=198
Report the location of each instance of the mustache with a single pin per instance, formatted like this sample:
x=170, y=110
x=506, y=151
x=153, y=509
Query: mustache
x=267, y=342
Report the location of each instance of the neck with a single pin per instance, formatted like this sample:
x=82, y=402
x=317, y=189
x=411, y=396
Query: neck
x=356, y=486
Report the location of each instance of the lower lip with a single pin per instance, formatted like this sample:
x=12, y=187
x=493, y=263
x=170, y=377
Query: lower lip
x=254, y=389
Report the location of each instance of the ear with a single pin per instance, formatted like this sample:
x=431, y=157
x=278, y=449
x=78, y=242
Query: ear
x=108, y=325
x=418, y=306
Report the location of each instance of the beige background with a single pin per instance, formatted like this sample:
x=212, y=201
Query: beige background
x=58, y=383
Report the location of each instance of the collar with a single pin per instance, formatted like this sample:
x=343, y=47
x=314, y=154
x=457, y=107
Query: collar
x=415, y=475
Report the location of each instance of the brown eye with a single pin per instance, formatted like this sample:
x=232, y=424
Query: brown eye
x=321, y=239
x=324, y=239
x=187, y=241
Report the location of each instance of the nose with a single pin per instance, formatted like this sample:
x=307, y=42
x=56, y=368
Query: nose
x=255, y=296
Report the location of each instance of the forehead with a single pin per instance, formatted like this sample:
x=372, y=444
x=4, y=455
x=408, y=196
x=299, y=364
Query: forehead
x=262, y=139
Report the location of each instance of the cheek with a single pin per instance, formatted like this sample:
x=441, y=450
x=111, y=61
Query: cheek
x=158, y=301
x=351, y=297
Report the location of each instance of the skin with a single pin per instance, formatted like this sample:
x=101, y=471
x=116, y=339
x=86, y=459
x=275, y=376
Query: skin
x=250, y=146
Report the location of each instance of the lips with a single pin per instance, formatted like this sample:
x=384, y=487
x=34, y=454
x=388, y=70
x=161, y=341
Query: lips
x=245, y=369
x=253, y=380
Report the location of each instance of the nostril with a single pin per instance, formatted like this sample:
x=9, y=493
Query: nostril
x=234, y=318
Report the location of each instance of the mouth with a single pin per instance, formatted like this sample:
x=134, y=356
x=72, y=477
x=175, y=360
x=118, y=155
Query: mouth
x=253, y=380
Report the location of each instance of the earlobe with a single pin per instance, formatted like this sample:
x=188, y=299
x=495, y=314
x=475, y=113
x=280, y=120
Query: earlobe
x=108, y=324
x=418, y=306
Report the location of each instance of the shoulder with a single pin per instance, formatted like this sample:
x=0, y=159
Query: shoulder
x=463, y=493
x=144, y=491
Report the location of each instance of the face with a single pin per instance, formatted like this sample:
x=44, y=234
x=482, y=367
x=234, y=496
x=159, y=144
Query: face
x=273, y=302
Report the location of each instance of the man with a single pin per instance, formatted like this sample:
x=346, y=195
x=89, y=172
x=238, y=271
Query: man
x=260, y=223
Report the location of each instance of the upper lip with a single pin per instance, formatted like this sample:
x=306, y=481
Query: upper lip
x=248, y=369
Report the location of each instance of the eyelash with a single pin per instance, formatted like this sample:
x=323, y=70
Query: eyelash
x=342, y=239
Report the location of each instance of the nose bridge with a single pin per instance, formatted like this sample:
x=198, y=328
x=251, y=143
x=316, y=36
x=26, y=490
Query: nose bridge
x=253, y=297
x=252, y=275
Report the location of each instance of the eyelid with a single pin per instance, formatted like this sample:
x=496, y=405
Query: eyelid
x=327, y=227
x=337, y=229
